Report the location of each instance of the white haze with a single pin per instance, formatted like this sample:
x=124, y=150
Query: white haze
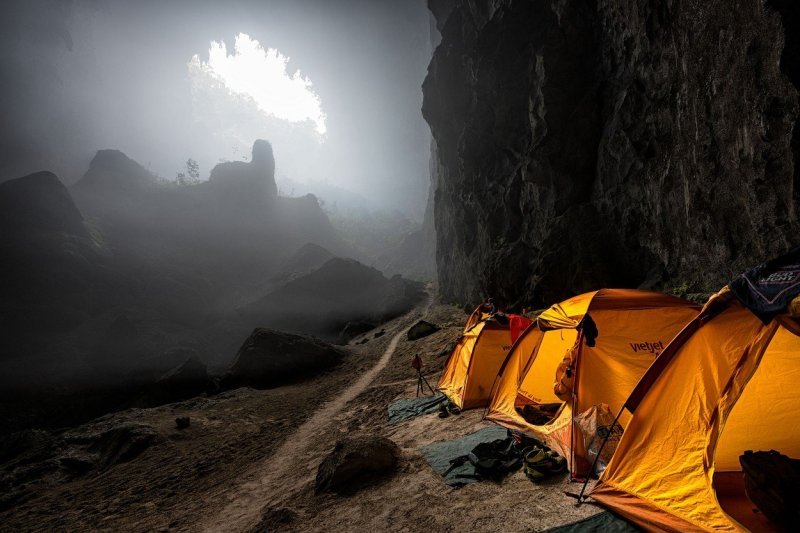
x=251, y=71
x=85, y=75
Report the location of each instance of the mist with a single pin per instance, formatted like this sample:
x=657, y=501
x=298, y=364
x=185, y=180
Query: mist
x=175, y=176
x=88, y=75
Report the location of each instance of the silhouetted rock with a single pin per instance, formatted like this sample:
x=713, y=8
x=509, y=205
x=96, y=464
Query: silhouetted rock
x=352, y=330
x=38, y=203
x=581, y=144
x=248, y=182
x=341, y=291
x=269, y=358
x=356, y=461
x=185, y=381
x=113, y=173
x=52, y=274
x=189, y=374
x=421, y=329
x=305, y=260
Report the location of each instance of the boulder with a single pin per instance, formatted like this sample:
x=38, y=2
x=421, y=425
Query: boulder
x=353, y=329
x=340, y=291
x=187, y=380
x=305, y=260
x=421, y=329
x=270, y=358
x=354, y=462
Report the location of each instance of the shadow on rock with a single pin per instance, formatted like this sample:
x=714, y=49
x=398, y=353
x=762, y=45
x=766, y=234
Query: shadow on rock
x=356, y=462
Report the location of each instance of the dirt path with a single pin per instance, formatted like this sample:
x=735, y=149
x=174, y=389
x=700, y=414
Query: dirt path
x=290, y=468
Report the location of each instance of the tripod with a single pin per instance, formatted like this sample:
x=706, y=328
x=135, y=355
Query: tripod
x=417, y=364
x=420, y=380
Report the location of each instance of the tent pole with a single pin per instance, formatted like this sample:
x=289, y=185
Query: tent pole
x=597, y=457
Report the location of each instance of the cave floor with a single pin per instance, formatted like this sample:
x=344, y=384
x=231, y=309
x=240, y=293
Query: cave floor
x=213, y=475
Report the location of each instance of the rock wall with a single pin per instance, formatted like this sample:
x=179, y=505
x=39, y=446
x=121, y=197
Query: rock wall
x=589, y=143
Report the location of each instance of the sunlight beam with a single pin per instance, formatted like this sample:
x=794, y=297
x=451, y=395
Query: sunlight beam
x=262, y=75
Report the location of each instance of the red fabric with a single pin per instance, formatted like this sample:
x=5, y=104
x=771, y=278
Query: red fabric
x=517, y=324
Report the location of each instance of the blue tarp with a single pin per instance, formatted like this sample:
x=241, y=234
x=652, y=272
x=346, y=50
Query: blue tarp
x=406, y=408
x=605, y=522
x=439, y=455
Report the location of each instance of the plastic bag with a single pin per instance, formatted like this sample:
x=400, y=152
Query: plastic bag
x=597, y=425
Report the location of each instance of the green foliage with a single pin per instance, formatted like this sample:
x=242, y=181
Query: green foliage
x=193, y=169
x=678, y=290
x=192, y=174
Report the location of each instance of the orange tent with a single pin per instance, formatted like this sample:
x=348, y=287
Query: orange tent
x=728, y=383
x=469, y=373
x=633, y=327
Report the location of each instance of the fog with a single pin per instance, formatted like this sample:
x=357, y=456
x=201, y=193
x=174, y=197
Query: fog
x=134, y=76
x=174, y=175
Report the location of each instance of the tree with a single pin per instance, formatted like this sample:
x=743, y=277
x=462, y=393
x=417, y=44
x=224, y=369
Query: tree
x=192, y=174
x=193, y=170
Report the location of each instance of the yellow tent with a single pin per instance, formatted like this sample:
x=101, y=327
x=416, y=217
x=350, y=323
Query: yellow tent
x=470, y=371
x=728, y=383
x=633, y=327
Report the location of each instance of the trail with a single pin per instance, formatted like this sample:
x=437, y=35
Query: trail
x=289, y=469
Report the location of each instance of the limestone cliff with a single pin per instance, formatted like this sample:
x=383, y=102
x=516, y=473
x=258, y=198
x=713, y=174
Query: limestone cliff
x=588, y=143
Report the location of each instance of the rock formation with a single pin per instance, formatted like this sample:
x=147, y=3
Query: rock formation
x=249, y=181
x=111, y=172
x=340, y=291
x=187, y=380
x=588, y=143
x=269, y=358
x=354, y=462
x=421, y=329
x=38, y=203
x=51, y=273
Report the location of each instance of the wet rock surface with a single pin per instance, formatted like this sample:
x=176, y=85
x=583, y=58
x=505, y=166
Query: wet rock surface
x=580, y=144
x=355, y=461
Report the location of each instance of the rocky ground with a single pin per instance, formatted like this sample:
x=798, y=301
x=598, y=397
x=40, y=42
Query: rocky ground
x=249, y=458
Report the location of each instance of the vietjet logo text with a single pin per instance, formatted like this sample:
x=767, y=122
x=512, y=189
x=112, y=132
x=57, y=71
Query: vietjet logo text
x=654, y=347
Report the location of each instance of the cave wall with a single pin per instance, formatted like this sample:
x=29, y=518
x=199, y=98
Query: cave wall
x=589, y=143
